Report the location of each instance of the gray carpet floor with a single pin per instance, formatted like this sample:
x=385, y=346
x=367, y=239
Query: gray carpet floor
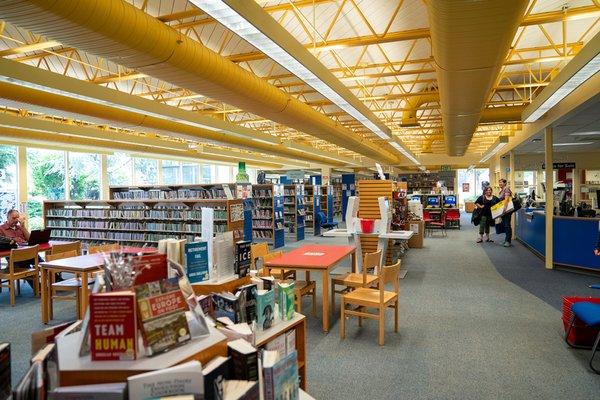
x=476, y=322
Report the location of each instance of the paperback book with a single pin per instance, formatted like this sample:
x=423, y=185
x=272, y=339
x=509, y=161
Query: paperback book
x=215, y=372
x=280, y=376
x=243, y=257
x=287, y=297
x=150, y=268
x=247, y=298
x=227, y=305
x=161, y=312
x=181, y=379
x=113, y=326
x=244, y=360
x=265, y=306
x=104, y=391
x=196, y=258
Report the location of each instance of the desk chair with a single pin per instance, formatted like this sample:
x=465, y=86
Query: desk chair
x=453, y=217
x=68, y=285
x=322, y=218
x=438, y=224
x=380, y=299
x=301, y=288
x=104, y=248
x=589, y=314
x=64, y=247
x=15, y=274
x=354, y=280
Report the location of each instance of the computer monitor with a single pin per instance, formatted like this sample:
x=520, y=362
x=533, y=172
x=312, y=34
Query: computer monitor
x=449, y=201
x=433, y=201
x=415, y=198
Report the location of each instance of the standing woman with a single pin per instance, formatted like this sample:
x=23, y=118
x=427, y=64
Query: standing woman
x=485, y=203
x=505, y=195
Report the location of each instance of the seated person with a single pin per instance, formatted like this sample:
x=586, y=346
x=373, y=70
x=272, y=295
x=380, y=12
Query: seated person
x=14, y=228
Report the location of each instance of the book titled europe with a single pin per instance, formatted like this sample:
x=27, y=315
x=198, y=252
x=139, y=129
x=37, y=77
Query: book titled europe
x=287, y=296
x=243, y=257
x=265, y=308
x=196, y=259
x=113, y=326
x=161, y=313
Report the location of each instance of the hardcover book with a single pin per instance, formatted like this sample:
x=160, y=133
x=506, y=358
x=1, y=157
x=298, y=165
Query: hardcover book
x=244, y=360
x=265, y=308
x=161, y=312
x=281, y=377
x=178, y=380
x=113, y=326
x=287, y=296
x=227, y=305
x=150, y=268
x=247, y=299
x=215, y=372
x=243, y=257
x=196, y=258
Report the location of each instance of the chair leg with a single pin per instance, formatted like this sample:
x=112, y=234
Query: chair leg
x=361, y=309
x=299, y=303
x=19, y=287
x=332, y=295
x=594, y=349
x=77, y=299
x=343, y=321
x=11, y=291
x=314, y=301
x=396, y=316
x=573, y=345
x=381, y=325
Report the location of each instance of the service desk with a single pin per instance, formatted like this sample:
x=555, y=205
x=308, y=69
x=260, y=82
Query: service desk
x=574, y=238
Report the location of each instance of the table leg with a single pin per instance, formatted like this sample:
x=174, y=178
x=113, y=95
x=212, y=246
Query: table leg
x=85, y=292
x=44, y=301
x=325, y=299
x=353, y=262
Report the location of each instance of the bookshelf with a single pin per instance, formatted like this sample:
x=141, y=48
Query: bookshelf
x=268, y=214
x=293, y=210
x=163, y=192
x=348, y=190
x=312, y=201
x=139, y=222
x=327, y=201
x=298, y=324
x=337, y=200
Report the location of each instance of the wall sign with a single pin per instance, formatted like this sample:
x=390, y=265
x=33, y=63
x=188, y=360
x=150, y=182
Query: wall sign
x=465, y=187
x=559, y=165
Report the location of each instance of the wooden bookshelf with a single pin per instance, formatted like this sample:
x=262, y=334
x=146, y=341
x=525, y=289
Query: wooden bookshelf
x=312, y=201
x=268, y=214
x=298, y=323
x=337, y=200
x=139, y=222
x=294, y=211
x=163, y=192
x=368, y=207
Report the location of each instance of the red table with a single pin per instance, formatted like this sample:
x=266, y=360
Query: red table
x=41, y=248
x=315, y=258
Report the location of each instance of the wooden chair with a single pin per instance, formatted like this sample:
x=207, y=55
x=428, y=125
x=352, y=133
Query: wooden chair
x=262, y=250
x=15, y=274
x=301, y=288
x=355, y=280
x=380, y=299
x=104, y=248
x=64, y=247
x=68, y=285
x=257, y=250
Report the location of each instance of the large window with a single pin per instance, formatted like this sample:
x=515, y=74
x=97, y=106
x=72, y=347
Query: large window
x=46, y=181
x=189, y=173
x=146, y=171
x=474, y=178
x=223, y=174
x=170, y=170
x=84, y=176
x=120, y=169
x=8, y=179
x=207, y=173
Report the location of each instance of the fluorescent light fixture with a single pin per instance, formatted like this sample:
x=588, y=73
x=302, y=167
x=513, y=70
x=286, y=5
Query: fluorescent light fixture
x=584, y=73
x=405, y=152
x=585, y=133
x=494, y=148
x=572, y=144
x=231, y=19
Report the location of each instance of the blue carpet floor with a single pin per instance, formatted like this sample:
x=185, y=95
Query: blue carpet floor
x=476, y=322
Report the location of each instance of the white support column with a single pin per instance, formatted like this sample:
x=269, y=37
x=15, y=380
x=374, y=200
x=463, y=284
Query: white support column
x=67, y=176
x=511, y=178
x=104, y=192
x=159, y=172
x=548, y=160
x=22, y=176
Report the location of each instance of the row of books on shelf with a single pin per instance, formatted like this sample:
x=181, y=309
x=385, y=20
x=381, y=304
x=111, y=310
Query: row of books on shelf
x=262, y=202
x=289, y=192
x=261, y=213
x=160, y=194
x=135, y=226
x=262, y=234
x=262, y=193
x=122, y=236
x=142, y=213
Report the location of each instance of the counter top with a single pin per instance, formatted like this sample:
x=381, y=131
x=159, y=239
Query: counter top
x=541, y=212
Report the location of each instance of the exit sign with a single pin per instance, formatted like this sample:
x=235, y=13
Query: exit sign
x=445, y=168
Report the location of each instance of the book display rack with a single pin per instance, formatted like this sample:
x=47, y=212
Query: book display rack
x=294, y=211
x=268, y=214
x=139, y=222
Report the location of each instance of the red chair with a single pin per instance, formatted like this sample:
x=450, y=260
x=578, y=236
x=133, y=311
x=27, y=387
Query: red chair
x=453, y=217
x=439, y=224
x=426, y=219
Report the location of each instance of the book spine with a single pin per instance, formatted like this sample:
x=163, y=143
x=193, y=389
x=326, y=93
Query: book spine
x=268, y=383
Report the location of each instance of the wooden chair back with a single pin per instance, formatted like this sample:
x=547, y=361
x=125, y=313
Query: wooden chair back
x=258, y=250
x=272, y=255
x=104, y=248
x=64, y=247
x=23, y=254
x=60, y=256
x=389, y=273
x=371, y=260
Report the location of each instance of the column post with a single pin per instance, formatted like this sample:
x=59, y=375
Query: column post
x=548, y=160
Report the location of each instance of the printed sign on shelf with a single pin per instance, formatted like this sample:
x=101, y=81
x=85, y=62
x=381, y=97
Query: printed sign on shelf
x=465, y=187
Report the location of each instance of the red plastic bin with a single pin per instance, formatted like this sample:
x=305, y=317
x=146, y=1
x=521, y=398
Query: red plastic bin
x=367, y=225
x=580, y=334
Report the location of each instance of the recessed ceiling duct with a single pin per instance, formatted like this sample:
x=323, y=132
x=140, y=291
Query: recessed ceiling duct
x=120, y=32
x=470, y=40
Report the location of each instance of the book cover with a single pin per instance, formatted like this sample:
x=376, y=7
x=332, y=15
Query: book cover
x=269, y=359
x=5, y=371
x=227, y=305
x=161, y=311
x=265, y=308
x=206, y=303
x=247, y=296
x=287, y=296
x=240, y=390
x=285, y=378
x=47, y=358
x=224, y=256
x=243, y=256
x=244, y=360
x=181, y=379
x=103, y=391
x=277, y=344
x=196, y=258
x=150, y=268
x=113, y=326
x=290, y=341
x=215, y=372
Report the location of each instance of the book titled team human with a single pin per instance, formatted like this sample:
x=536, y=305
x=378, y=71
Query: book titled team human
x=113, y=326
